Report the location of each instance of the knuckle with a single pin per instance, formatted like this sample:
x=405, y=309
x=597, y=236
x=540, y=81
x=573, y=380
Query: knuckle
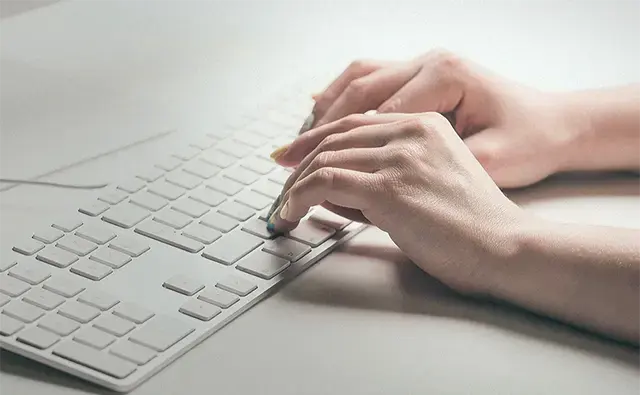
x=357, y=89
x=412, y=127
x=328, y=142
x=353, y=120
x=359, y=64
x=324, y=159
x=489, y=155
x=324, y=177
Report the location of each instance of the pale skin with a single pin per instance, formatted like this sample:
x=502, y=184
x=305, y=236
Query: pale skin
x=433, y=183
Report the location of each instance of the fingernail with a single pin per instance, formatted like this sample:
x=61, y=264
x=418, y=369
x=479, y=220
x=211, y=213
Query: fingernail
x=308, y=124
x=278, y=152
x=284, y=211
x=271, y=215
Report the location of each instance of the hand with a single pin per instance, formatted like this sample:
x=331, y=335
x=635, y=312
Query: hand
x=518, y=134
x=413, y=177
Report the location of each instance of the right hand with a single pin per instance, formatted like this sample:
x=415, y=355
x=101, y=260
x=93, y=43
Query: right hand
x=519, y=135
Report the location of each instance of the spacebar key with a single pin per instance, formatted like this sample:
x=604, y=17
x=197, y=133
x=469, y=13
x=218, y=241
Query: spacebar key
x=167, y=235
x=94, y=359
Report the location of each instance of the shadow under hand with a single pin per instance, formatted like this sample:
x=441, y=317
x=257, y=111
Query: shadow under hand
x=396, y=285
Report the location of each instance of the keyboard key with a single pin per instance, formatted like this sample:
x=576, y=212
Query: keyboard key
x=131, y=185
x=160, y=333
x=13, y=287
x=95, y=208
x=31, y=272
x=67, y=225
x=279, y=177
x=94, y=338
x=113, y=197
x=44, y=299
x=110, y=257
x=94, y=359
x=220, y=222
x=64, y=286
x=218, y=134
x=76, y=245
x=149, y=201
x=218, y=158
x=218, y=297
x=48, y=235
x=234, y=149
x=327, y=218
x=251, y=139
x=114, y=325
x=201, y=169
x=28, y=247
x=92, y=270
x=186, y=153
x=23, y=311
x=150, y=175
x=200, y=310
x=286, y=248
x=191, y=208
x=268, y=188
x=125, y=216
x=58, y=324
x=132, y=312
x=235, y=210
x=79, y=312
x=203, y=143
x=169, y=164
x=184, y=180
x=173, y=219
x=262, y=265
x=258, y=228
x=166, y=190
x=99, y=300
x=183, y=285
x=96, y=234
x=130, y=246
x=4, y=299
x=231, y=247
x=258, y=165
x=253, y=200
x=7, y=264
x=38, y=338
x=312, y=233
x=208, y=196
x=202, y=233
x=237, y=285
x=226, y=186
x=56, y=257
x=169, y=236
x=132, y=352
x=241, y=175
x=9, y=326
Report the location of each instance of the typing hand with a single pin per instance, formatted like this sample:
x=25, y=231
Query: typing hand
x=410, y=175
x=518, y=134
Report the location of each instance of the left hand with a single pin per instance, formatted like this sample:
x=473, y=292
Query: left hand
x=410, y=175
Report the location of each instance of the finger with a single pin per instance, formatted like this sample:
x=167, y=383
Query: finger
x=429, y=90
x=368, y=136
x=368, y=92
x=302, y=146
x=366, y=160
x=342, y=187
x=355, y=70
x=348, y=213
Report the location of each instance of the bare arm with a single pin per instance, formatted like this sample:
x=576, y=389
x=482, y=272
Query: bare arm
x=607, y=128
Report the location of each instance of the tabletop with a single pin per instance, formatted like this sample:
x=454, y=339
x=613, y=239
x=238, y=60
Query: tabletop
x=83, y=80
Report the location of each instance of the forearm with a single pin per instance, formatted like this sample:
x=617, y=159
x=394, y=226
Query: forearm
x=606, y=128
x=585, y=275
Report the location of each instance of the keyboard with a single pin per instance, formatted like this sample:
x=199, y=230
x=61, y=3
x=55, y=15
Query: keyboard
x=162, y=259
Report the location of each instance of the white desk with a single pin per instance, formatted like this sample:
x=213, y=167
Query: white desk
x=79, y=78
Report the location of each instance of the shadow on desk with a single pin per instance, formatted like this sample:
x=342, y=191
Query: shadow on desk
x=414, y=292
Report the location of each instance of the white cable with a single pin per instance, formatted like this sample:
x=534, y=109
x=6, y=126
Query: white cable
x=52, y=184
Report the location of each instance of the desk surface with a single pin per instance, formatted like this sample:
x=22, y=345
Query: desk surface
x=85, y=77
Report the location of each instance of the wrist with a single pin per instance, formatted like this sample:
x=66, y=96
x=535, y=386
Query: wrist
x=575, y=120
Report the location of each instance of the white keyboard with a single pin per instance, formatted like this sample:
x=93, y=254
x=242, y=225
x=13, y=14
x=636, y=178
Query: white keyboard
x=160, y=261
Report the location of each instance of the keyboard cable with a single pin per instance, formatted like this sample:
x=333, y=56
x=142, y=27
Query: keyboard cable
x=52, y=184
